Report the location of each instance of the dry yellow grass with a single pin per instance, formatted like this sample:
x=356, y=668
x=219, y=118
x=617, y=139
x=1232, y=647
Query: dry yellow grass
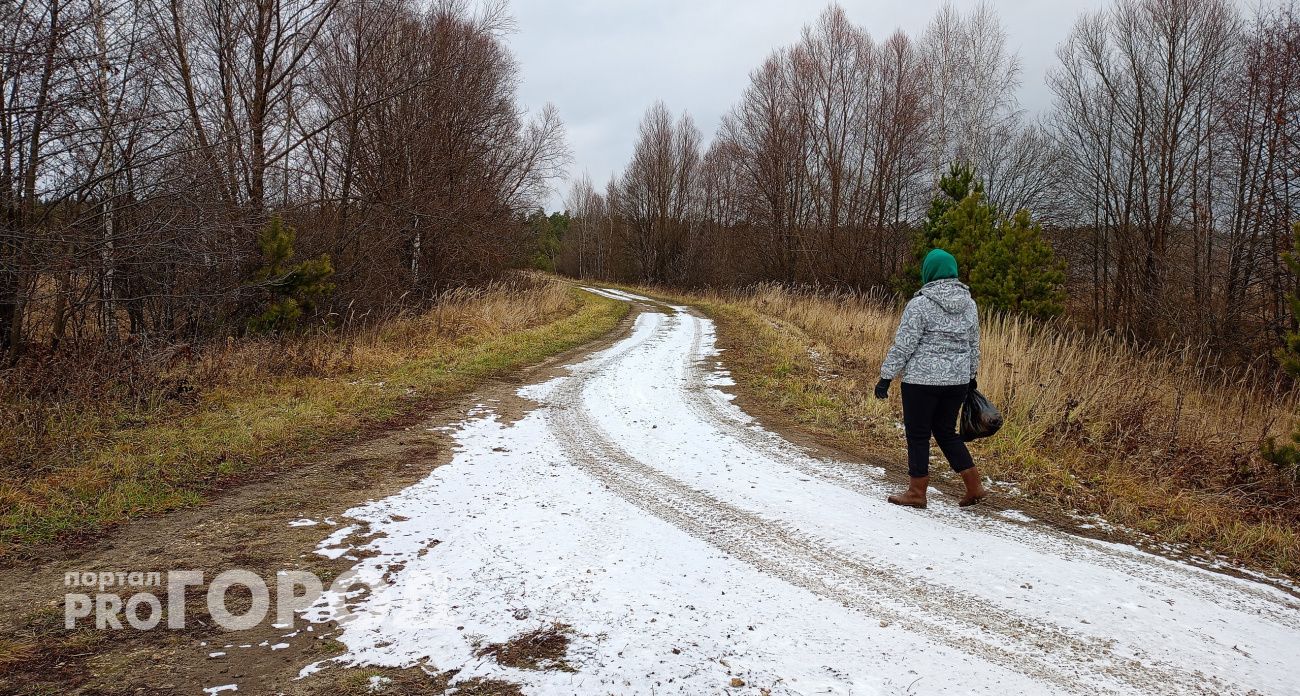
x=1151, y=440
x=160, y=433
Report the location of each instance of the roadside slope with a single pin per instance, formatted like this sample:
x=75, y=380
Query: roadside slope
x=273, y=406
x=246, y=526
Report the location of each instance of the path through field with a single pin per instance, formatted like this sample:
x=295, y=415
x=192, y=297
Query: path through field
x=682, y=546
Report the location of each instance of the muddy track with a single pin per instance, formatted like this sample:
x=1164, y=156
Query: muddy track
x=1048, y=653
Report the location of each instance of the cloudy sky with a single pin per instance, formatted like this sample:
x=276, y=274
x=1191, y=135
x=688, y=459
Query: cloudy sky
x=603, y=62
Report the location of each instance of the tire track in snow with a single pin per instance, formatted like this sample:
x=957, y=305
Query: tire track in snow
x=686, y=496
x=1027, y=645
x=1207, y=585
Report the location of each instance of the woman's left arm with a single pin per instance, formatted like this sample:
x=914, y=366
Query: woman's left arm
x=905, y=342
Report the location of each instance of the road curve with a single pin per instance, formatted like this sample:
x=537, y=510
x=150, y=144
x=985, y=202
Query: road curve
x=688, y=550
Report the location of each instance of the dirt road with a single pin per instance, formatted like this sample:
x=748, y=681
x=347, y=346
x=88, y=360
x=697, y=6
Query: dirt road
x=679, y=547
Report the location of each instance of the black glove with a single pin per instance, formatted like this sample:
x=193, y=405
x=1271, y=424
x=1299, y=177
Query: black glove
x=882, y=389
x=973, y=386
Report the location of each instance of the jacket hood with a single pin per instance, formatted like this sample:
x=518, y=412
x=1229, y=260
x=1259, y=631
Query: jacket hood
x=949, y=294
x=938, y=264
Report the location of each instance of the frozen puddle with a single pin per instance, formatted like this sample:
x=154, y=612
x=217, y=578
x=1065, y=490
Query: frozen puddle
x=684, y=547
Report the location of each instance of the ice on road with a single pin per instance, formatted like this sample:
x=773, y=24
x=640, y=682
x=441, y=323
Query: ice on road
x=683, y=547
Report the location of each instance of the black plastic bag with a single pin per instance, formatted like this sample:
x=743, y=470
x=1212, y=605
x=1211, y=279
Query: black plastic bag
x=979, y=417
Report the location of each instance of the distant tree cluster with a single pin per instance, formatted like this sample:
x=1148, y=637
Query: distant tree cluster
x=1166, y=176
x=823, y=169
x=176, y=170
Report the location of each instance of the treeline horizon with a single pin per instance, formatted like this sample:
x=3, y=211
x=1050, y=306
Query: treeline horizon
x=180, y=171
x=1166, y=175
x=183, y=172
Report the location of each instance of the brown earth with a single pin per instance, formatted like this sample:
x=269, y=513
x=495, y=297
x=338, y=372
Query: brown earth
x=246, y=527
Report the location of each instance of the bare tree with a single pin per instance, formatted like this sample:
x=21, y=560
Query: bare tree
x=656, y=195
x=144, y=145
x=1134, y=93
x=972, y=83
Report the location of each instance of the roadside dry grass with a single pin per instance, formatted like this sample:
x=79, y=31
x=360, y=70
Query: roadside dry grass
x=1155, y=441
x=92, y=443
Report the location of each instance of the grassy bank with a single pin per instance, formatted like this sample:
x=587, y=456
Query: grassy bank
x=125, y=438
x=1150, y=440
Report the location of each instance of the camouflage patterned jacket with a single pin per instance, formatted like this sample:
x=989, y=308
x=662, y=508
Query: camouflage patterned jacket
x=938, y=340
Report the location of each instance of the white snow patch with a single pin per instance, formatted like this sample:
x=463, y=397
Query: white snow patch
x=332, y=547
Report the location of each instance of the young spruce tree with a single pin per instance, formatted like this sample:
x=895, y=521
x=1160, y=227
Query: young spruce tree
x=1015, y=270
x=954, y=187
x=291, y=290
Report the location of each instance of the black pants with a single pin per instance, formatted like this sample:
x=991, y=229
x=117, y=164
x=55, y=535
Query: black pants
x=930, y=410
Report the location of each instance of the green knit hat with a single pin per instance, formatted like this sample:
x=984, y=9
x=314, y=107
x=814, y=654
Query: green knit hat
x=938, y=265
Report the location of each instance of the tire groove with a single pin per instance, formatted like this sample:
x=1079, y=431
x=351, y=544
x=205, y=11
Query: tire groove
x=853, y=582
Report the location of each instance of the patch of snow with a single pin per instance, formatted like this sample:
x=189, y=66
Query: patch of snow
x=303, y=522
x=311, y=669
x=333, y=547
x=608, y=294
x=214, y=690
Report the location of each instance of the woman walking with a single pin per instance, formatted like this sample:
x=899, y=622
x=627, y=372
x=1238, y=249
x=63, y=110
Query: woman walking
x=937, y=350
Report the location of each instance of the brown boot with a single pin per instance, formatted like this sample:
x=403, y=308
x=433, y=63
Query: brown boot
x=914, y=496
x=975, y=490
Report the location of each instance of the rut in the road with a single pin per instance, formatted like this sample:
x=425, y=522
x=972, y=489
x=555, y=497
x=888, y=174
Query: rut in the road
x=699, y=396
x=1031, y=646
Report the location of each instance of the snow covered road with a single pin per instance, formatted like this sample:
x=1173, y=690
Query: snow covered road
x=688, y=550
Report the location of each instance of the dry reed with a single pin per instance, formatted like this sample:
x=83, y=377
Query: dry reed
x=1160, y=439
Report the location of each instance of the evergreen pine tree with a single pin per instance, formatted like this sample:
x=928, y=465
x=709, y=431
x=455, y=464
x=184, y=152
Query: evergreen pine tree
x=1015, y=270
x=548, y=234
x=1005, y=260
x=965, y=229
x=1289, y=353
x=291, y=290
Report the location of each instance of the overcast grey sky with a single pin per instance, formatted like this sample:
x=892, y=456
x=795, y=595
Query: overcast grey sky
x=603, y=62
